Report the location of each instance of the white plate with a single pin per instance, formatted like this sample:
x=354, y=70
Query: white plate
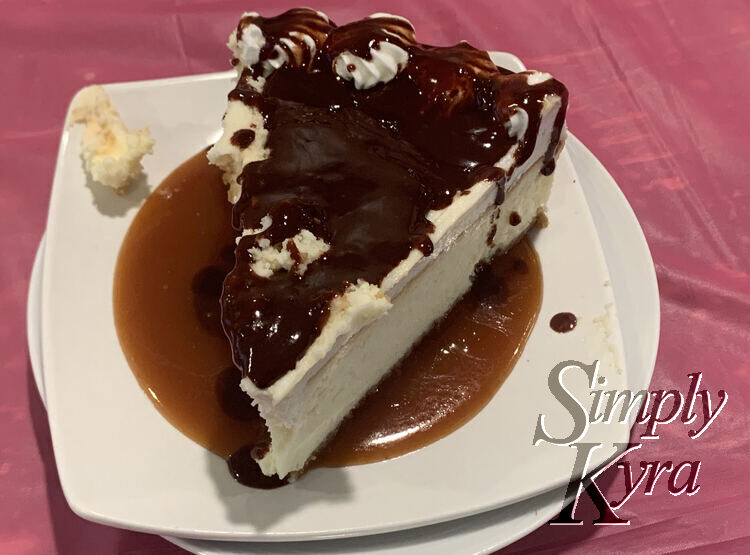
x=490, y=530
x=120, y=463
x=474, y=534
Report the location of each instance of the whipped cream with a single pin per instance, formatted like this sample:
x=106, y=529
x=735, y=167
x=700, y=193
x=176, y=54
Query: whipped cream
x=297, y=48
x=537, y=77
x=247, y=49
x=386, y=61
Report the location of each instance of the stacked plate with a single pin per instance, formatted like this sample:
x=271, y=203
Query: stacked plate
x=480, y=488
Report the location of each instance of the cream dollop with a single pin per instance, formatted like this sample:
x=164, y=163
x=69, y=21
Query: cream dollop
x=387, y=60
x=537, y=77
x=247, y=48
x=296, y=48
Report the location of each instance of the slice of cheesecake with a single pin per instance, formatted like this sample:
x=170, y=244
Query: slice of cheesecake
x=370, y=174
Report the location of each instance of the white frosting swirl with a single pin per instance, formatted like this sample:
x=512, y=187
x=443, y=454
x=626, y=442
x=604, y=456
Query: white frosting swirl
x=537, y=77
x=247, y=48
x=387, y=61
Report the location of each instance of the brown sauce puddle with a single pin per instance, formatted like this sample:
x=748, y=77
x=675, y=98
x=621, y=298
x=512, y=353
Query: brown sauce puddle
x=166, y=289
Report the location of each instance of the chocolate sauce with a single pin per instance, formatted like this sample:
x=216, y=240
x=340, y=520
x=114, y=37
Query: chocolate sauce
x=359, y=169
x=243, y=138
x=186, y=370
x=491, y=236
x=563, y=322
x=245, y=470
x=487, y=284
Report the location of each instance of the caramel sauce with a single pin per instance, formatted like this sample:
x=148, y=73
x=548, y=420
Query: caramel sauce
x=166, y=305
x=179, y=358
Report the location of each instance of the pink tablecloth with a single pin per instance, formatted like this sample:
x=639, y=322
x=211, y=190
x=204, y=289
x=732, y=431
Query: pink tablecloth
x=659, y=93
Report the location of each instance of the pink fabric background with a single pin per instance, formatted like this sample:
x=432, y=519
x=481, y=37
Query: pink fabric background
x=658, y=92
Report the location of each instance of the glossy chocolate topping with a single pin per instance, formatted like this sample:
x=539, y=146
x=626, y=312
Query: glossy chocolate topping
x=243, y=138
x=359, y=169
x=563, y=322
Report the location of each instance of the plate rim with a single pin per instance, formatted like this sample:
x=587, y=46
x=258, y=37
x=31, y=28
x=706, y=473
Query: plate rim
x=287, y=536
x=541, y=516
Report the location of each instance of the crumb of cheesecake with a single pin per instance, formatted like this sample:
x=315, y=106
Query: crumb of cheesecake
x=265, y=223
x=111, y=153
x=541, y=220
x=361, y=303
x=294, y=254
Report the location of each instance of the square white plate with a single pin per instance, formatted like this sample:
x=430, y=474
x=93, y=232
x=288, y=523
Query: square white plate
x=629, y=259
x=122, y=464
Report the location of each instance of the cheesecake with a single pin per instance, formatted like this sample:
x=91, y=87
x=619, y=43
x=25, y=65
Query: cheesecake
x=111, y=152
x=370, y=174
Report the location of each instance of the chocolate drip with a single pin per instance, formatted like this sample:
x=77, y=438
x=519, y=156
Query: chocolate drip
x=359, y=169
x=233, y=401
x=245, y=470
x=563, y=322
x=206, y=293
x=491, y=236
x=206, y=288
x=487, y=284
x=243, y=138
